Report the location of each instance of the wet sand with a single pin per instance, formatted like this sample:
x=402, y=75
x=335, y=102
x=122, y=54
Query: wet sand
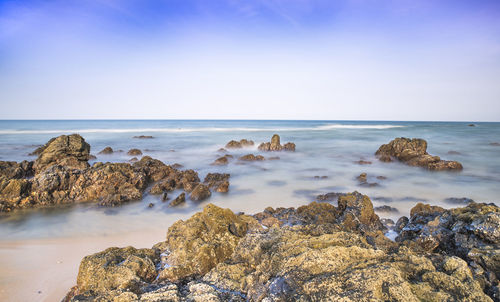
x=45, y=269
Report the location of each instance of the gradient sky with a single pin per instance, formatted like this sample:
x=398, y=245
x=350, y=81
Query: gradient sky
x=254, y=59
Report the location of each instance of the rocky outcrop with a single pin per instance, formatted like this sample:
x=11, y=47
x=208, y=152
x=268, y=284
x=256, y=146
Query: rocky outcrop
x=223, y=160
x=63, y=175
x=178, y=200
x=217, y=181
x=107, y=150
x=134, y=152
x=317, y=252
x=70, y=151
x=200, y=193
x=471, y=233
x=413, y=152
x=275, y=145
x=239, y=144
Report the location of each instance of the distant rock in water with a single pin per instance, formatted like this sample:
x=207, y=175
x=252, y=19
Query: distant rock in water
x=200, y=193
x=107, y=150
x=143, y=137
x=452, y=152
x=413, y=152
x=386, y=209
x=134, y=152
x=236, y=145
x=458, y=201
x=275, y=145
x=496, y=144
x=471, y=125
x=223, y=160
x=317, y=252
x=251, y=157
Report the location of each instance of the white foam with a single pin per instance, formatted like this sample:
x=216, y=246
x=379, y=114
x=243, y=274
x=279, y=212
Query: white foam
x=201, y=129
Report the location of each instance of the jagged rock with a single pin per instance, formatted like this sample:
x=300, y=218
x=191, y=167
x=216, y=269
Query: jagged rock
x=70, y=151
x=12, y=169
x=200, y=193
x=275, y=145
x=40, y=149
x=178, y=200
x=134, y=152
x=242, y=143
x=363, y=181
x=199, y=243
x=413, y=152
x=471, y=233
x=219, y=181
x=251, y=157
x=107, y=150
x=221, y=161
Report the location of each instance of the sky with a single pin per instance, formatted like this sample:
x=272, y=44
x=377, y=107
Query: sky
x=253, y=59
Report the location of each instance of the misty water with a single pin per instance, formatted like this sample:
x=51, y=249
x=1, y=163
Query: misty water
x=40, y=249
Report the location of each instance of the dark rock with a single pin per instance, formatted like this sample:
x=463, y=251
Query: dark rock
x=458, y=201
x=92, y=157
x=273, y=158
x=413, y=152
x=496, y=144
x=251, y=157
x=320, y=177
x=164, y=196
x=143, y=137
x=333, y=196
x=275, y=145
x=107, y=150
x=134, y=159
x=471, y=125
x=200, y=193
x=221, y=161
x=177, y=166
x=452, y=152
x=363, y=162
x=219, y=181
x=178, y=200
x=150, y=205
x=11, y=169
x=242, y=143
x=401, y=223
x=386, y=209
x=134, y=152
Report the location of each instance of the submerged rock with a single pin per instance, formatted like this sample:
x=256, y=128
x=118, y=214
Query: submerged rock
x=221, y=161
x=200, y=193
x=413, y=152
x=178, y=200
x=275, y=145
x=107, y=150
x=143, y=136
x=242, y=143
x=218, y=181
x=251, y=157
x=134, y=152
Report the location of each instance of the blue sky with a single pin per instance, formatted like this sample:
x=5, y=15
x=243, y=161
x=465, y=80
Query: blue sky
x=295, y=59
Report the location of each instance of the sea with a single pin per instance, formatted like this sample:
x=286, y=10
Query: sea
x=40, y=249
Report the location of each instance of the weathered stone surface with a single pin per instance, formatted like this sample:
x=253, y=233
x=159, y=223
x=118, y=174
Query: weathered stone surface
x=275, y=145
x=107, y=150
x=251, y=157
x=70, y=151
x=134, y=152
x=12, y=169
x=117, y=269
x=317, y=252
x=471, y=233
x=200, y=193
x=386, y=209
x=199, y=243
x=178, y=200
x=413, y=152
x=221, y=161
x=242, y=143
x=217, y=181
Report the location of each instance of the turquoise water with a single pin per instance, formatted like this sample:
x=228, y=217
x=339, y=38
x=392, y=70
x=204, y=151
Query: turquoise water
x=324, y=148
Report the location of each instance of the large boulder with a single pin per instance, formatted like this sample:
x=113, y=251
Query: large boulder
x=199, y=243
x=200, y=193
x=413, y=152
x=70, y=151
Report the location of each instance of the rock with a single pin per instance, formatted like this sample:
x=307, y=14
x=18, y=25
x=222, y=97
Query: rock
x=222, y=150
x=386, y=209
x=362, y=177
x=471, y=233
x=275, y=145
x=471, y=125
x=201, y=242
x=117, y=269
x=178, y=200
x=401, y=223
x=219, y=181
x=273, y=158
x=143, y=137
x=221, y=161
x=92, y=157
x=134, y=160
x=251, y=157
x=332, y=196
x=320, y=177
x=134, y=152
x=177, y=166
x=236, y=145
x=357, y=213
x=70, y=151
x=363, y=181
x=495, y=144
x=413, y=152
x=164, y=196
x=452, y=152
x=381, y=177
x=107, y=150
x=363, y=162
x=11, y=169
x=200, y=193
x=150, y=205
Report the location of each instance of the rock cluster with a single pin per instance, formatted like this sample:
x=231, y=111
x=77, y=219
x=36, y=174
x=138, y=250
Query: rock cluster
x=62, y=174
x=312, y=253
x=413, y=152
x=275, y=145
x=242, y=143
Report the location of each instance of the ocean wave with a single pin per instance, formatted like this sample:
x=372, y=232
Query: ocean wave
x=199, y=129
